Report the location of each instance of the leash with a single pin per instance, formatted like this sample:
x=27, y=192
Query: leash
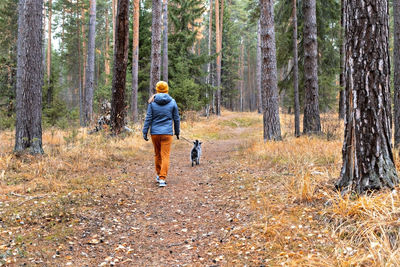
x=184, y=139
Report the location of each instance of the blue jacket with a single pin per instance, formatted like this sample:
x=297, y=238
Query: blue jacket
x=160, y=115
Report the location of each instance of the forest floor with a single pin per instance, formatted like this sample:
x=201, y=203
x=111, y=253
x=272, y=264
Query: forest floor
x=92, y=200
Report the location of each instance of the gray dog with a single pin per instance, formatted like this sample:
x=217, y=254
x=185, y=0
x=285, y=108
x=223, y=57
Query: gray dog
x=196, y=153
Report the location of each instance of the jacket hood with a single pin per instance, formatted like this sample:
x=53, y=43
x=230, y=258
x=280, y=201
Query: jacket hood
x=162, y=99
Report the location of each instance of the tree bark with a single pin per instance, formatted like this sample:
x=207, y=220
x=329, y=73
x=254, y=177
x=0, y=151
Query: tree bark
x=342, y=64
x=120, y=65
x=107, y=50
x=259, y=94
x=396, y=62
x=367, y=154
x=84, y=52
x=49, y=82
x=218, y=51
x=89, y=82
x=296, y=73
x=114, y=12
x=135, y=60
x=210, y=23
x=81, y=93
x=241, y=76
x=155, y=68
x=165, y=41
x=28, y=129
x=269, y=82
x=311, y=120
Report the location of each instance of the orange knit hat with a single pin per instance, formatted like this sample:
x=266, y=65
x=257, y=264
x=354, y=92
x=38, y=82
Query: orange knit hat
x=162, y=87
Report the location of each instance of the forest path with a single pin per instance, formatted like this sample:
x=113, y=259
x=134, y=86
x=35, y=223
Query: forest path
x=144, y=225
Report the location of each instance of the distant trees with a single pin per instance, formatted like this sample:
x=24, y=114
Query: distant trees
x=367, y=154
x=120, y=65
x=269, y=82
x=28, y=128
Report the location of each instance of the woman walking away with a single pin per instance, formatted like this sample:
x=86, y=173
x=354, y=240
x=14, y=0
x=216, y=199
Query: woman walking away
x=161, y=113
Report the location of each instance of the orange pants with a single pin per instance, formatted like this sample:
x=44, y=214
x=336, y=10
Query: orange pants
x=162, y=148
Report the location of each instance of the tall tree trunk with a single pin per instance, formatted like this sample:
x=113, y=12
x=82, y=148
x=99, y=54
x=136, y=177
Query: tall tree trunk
x=84, y=52
x=120, y=65
x=218, y=51
x=296, y=73
x=311, y=120
x=114, y=12
x=342, y=63
x=259, y=94
x=165, y=41
x=28, y=128
x=89, y=82
x=269, y=82
x=49, y=83
x=367, y=153
x=396, y=46
x=155, y=67
x=135, y=60
x=81, y=93
x=241, y=74
x=249, y=89
x=210, y=23
x=107, y=49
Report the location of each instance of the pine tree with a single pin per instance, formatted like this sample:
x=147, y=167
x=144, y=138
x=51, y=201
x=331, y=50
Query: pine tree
x=311, y=119
x=367, y=154
x=396, y=62
x=185, y=66
x=89, y=82
x=155, y=69
x=218, y=63
x=165, y=41
x=135, y=60
x=269, y=86
x=28, y=129
x=296, y=73
x=120, y=65
x=342, y=63
x=49, y=50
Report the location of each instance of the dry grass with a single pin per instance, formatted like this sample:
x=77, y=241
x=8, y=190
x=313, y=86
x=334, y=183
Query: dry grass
x=297, y=189
x=300, y=220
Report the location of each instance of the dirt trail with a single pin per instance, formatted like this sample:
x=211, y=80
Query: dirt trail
x=144, y=225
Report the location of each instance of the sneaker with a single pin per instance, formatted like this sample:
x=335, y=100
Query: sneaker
x=158, y=179
x=162, y=183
